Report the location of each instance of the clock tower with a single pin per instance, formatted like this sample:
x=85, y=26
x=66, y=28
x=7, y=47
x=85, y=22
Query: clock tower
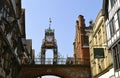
x=49, y=42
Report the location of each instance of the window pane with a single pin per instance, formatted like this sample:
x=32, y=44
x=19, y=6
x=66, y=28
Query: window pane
x=116, y=56
x=116, y=25
x=112, y=27
x=112, y=3
x=119, y=17
x=108, y=31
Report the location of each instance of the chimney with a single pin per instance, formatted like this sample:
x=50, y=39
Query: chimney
x=81, y=21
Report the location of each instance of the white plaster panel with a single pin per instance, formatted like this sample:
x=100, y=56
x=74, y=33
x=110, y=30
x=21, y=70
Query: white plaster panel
x=118, y=34
x=115, y=17
x=108, y=32
x=118, y=1
x=108, y=74
x=115, y=37
x=116, y=25
x=119, y=72
x=112, y=39
x=113, y=10
x=109, y=6
x=116, y=74
x=108, y=43
x=107, y=21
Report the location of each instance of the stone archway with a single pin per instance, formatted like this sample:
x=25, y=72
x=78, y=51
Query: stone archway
x=63, y=71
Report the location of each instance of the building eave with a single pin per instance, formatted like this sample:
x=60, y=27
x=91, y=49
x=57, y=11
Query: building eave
x=105, y=8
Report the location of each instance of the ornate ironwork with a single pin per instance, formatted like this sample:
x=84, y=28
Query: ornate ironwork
x=62, y=61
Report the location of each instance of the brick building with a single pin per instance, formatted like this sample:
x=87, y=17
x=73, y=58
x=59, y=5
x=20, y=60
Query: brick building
x=81, y=46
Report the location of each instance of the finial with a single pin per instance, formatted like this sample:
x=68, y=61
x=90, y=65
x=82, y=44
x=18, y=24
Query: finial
x=50, y=22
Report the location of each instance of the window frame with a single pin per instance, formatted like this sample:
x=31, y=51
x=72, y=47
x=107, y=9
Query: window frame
x=118, y=17
x=116, y=57
x=112, y=2
x=112, y=27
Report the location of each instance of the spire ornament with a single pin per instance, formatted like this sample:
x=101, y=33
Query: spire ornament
x=50, y=23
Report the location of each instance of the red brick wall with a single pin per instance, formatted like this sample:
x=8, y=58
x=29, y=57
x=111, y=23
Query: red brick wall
x=79, y=51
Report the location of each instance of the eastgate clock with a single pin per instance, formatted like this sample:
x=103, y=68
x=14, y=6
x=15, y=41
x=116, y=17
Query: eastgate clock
x=49, y=38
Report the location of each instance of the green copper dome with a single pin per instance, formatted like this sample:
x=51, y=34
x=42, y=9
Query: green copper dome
x=49, y=30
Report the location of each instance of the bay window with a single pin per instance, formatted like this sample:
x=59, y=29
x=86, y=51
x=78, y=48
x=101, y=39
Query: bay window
x=116, y=57
x=112, y=27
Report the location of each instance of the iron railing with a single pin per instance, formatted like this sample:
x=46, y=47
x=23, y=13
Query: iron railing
x=62, y=61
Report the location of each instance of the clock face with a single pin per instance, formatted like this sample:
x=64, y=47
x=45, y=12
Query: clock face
x=49, y=38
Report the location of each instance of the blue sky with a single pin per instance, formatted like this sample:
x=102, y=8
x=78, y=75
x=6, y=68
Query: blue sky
x=64, y=14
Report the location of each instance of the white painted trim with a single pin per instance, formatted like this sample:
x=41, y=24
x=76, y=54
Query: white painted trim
x=115, y=37
x=108, y=74
x=113, y=10
x=118, y=1
x=110, y=42
x=117, y=34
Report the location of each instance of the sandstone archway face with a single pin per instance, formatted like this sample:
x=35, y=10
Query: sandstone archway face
x=63, y=71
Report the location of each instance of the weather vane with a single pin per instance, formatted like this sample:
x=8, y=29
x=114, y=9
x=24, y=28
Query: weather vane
x=50, y=22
